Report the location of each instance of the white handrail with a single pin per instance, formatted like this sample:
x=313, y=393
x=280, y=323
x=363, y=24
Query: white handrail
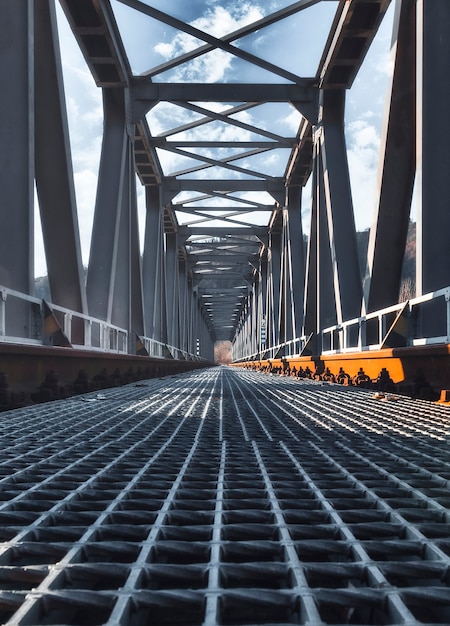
x=370, y=331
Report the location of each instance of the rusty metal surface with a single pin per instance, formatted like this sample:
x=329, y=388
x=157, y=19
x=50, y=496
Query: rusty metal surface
x=225, y=496
x=30, y=374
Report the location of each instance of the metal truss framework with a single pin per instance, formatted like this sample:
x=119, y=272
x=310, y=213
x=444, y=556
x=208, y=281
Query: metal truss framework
x=207, y=271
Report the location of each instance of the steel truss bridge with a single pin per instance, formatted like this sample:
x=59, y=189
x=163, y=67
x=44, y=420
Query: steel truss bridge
x=223, y=255
x=145, y=493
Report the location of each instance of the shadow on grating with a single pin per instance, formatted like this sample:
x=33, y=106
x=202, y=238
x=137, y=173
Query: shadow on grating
x=151, y=519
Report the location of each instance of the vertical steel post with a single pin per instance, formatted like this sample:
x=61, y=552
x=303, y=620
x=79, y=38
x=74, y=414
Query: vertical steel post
x=262, y=300
x=127, y=311
x=104, y=242
x=137, y=324
x=274, y=269
x=151, y=259
x=296, y=259
x=54, y=175
x=396, y=169
x=341, y=223
x=284, y=292
x=433, y=140
x=17, y=157
x=121, y=297
x=183, y=307
x=320, y=301
x=172, y=289
x=310, y=307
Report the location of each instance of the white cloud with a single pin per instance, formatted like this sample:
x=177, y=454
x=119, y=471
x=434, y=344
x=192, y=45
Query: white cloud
x=218, y=21
x=363, y=152
x=85, y=189
x=292, y=121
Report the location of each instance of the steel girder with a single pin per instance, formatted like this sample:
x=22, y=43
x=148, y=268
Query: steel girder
x=34, y=150
x=396, y=169
x=201, y=238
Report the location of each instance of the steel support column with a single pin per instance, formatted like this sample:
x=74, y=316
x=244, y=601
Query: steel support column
x=192, y=319
x=54, y=175
x=341, y=223
x=136, y=287
x=284, y=296
x=396, y=170
x=127, y=311
x=17, y=154
x=320, y=303
x=183, y=307
x=104, y=243
x=433, y=138
x=310, y=306
x=273, y=289
x=152, y=259
x=262, y=302
x=172, y=288
x=296, y=259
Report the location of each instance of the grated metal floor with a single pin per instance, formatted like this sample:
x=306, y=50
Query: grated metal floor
x=225, y=496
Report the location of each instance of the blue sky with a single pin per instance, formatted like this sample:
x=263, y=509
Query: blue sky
x=295, y=44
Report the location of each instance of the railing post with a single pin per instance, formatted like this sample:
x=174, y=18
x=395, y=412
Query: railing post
x=68, y=326
x=362, y=339
x=3, y=313
x=105, y=339
x=447, y=300
x=381, y=328
x=87, y=333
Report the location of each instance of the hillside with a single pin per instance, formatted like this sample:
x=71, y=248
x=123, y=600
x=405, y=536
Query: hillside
x=407, y=289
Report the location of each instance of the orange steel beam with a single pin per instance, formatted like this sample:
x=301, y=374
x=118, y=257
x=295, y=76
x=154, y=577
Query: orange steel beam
x=420, y=371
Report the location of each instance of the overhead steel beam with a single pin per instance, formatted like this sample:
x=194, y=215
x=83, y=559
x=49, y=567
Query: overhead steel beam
x=226, y=197
x=213, y=41
x=214, y=209
x=53, y=169
x=143, y=89
x=146, y=94
x=162, y=142
x=271, y=185
x=350, y=37
x=223, y=259
x=208, y=162
x=147, y=163
x=208, y=115
x=219, y=231
x=93, y=24
x=267, y=20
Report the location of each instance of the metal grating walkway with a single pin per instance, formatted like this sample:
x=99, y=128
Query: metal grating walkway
x=225, y=497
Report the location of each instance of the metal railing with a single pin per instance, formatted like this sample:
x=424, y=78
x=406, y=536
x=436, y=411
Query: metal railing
x=46, y=321
x=291, y=348
x=77, y=329
x=424, y=320
x=420, y=321
x=160, y=350
x=11, y=302
x=98, y=334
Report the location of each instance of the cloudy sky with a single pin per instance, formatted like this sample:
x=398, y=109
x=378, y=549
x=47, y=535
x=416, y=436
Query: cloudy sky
x=295, y=44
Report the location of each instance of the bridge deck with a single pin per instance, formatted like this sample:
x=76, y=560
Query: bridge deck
x=225, y=496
